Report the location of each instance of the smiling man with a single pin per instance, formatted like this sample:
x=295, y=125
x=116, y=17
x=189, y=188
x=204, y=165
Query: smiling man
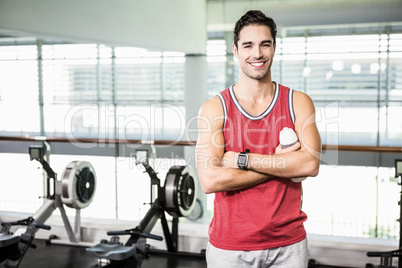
x=257, y=219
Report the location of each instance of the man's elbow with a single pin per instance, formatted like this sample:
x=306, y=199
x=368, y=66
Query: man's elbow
x=207, y=184
x=208, y=188
x=314, y=172
x=313, y=168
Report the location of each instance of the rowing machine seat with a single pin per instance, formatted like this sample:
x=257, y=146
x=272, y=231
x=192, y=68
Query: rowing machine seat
x=8, y=239
x=111, y=251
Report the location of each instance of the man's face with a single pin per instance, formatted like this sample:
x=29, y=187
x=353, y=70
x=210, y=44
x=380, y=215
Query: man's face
x=255, y=51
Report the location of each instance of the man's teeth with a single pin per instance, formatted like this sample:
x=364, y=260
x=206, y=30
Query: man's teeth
x=257, y=64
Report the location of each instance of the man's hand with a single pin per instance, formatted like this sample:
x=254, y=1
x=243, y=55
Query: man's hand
x=294, y=147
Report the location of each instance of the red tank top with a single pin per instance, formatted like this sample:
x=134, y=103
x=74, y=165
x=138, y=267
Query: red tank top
x=267, y=215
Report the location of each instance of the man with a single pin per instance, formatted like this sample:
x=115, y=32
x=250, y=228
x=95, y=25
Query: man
x=257, y=219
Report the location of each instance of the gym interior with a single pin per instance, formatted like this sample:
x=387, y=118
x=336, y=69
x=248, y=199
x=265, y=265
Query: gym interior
x=98, y=127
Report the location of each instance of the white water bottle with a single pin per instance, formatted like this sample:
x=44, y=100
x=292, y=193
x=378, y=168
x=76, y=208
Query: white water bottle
x=287, y=138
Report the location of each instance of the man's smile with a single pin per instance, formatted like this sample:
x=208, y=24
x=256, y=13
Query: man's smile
x=258, y=64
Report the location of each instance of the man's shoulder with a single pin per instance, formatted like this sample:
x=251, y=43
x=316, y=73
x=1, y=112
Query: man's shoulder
x=302, y=101
x=212, y=105
x=300, y=95
x=217, y=99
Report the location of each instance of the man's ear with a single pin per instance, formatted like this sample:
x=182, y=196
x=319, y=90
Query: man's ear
x=235, y=51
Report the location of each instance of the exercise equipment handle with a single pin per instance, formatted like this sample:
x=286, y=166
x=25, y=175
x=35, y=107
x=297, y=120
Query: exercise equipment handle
x=22, y=222
x=27, y=222
x=42, y=226
x=136, y=232
x=117, y=233
x=374, y=254
x=394, y=253
x=151, y=236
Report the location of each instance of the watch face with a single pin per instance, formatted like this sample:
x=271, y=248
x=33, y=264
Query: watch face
x=242, y=160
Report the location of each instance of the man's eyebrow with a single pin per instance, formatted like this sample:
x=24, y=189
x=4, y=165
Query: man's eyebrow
x=266, y=41
x=262, y=42
x=246, y=43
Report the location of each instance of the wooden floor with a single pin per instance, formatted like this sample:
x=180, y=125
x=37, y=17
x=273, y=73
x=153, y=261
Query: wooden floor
x=62, y=256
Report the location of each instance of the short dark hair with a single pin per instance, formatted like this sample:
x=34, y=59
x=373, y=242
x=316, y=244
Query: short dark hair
x=254, y=17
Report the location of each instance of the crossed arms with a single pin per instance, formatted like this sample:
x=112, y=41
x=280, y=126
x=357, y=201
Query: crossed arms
x=218, y=169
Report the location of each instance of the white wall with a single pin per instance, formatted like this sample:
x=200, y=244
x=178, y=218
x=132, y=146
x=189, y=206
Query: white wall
x=174, y=25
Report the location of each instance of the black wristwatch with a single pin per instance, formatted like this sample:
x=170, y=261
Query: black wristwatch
x=242, y=160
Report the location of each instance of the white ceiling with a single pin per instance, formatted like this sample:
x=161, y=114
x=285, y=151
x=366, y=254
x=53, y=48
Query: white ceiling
x=176, y=25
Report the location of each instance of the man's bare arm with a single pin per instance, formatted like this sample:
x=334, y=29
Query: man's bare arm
x=296, y=163
x=209, y=153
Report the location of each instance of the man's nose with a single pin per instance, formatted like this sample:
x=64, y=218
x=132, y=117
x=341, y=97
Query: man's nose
x=257, y=52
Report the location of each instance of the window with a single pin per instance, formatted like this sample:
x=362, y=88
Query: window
x=353, y=79
x=361, y=204
x=84, y=90
x=19, y=87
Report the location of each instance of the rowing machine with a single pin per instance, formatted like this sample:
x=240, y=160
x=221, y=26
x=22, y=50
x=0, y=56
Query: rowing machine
x=76, y=190
x=177, y=197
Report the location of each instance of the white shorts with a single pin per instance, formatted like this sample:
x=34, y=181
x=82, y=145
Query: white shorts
x=295, y=255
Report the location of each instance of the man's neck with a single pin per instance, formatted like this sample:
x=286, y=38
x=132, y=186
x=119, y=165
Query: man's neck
x=255, y=90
